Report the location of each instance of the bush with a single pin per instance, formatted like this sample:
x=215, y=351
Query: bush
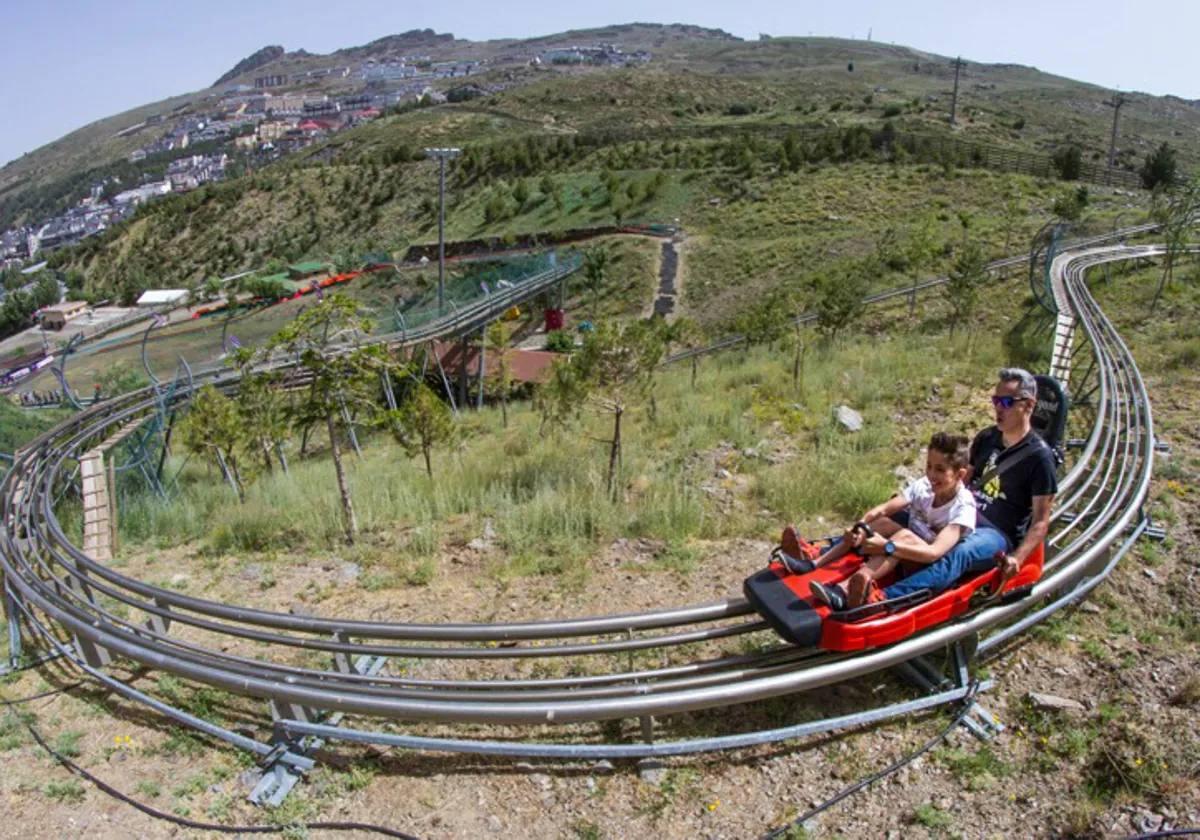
x=1068, y=162
x=1159, y=167
x=560, y=341
x=892, y=111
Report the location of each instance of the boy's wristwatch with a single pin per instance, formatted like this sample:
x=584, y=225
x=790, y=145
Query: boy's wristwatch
x=889, y=548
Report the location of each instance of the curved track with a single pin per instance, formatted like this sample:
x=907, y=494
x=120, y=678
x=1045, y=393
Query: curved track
x=88, y=611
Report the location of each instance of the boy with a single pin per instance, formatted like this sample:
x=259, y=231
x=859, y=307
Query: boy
x=918, y=526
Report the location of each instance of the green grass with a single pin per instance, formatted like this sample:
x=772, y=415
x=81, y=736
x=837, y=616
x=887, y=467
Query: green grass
x=545, y=491
x=69, y=793
x=932, y=817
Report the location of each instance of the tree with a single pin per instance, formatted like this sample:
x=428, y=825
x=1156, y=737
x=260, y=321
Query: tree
x=1068, y=162
x=520, y=193
x=1070, y=204
x=496, y=339
x=264, y=410
x=422, y=422
x=918, y=252
x=840, y=300
x=1159, y=167
x=546, y=187
x=765, y=322
x=1011, y=214
x=344, y=376
x=611, y=371
x=1176, y=213
x=962, y=287
x=595, y=267
x=213, y=429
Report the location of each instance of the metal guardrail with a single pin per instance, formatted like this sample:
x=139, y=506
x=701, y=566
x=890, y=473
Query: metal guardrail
x=62, y=593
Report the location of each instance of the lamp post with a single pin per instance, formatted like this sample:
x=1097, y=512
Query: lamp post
x=442, y=155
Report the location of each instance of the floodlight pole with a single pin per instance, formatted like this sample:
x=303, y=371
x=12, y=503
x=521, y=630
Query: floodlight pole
x=958, y=64
x=441, y=155
x=1115, y=103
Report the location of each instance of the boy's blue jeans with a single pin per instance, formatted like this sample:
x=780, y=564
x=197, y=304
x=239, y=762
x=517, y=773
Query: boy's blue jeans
x=975, y=554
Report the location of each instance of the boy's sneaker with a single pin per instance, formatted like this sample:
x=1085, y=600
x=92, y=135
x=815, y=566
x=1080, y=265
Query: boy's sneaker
x=796, y=548
x=796, y=567
x=864, y=591
x=831, y=595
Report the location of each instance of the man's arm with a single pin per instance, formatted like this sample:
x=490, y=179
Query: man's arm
x=1039, y=526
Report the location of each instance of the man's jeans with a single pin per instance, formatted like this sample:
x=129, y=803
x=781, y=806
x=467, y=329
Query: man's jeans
x=975, y=554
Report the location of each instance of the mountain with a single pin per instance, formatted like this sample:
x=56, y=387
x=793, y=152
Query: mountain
x=250, y=63
x=686, y=79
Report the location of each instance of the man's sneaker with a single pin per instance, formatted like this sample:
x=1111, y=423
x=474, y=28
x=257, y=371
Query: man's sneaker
x=797, y=548
x=831, y=595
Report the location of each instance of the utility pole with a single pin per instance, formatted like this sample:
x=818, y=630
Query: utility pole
x=1115, y=103
x=442, y=155
x=958, y=65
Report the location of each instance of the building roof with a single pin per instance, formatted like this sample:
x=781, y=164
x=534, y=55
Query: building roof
x=67, y=306
x=153, y=297
x=307, y=267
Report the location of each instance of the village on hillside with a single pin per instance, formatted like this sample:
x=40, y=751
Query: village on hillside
x=276, y=115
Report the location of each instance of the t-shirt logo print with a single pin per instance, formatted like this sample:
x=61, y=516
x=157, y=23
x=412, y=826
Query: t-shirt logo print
x=992, y=488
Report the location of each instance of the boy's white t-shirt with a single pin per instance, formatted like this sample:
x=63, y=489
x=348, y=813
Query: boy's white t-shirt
x=926, y=521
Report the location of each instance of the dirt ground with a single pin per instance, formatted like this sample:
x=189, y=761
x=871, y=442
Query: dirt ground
x=1124, y=759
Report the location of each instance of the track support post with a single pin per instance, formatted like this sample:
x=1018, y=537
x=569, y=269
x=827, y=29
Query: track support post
x=959, y=658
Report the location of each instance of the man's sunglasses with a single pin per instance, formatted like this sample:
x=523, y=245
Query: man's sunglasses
x=1007, y=401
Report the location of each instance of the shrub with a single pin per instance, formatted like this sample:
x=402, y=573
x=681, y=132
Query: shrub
x=560, y=341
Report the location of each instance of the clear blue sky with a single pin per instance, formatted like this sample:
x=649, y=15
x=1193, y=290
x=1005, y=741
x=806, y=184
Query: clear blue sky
x=65, y=63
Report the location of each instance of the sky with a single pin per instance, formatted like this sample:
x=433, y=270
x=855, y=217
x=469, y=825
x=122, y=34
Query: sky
x=66, y=63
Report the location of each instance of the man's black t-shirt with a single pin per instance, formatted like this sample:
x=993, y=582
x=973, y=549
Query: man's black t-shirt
x=1006, y=499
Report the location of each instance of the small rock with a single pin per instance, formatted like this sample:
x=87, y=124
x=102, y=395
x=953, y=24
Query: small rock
x=479, y=544
x=489, y=530
x=1050, y=702
x=541, y=780
x=651, y=771
x=849, y=419
x=252, y=572
x=724, y=473
x=603, y=766
x=1150, y=573
x=179, y=579
x=590, y=784
x=349, y=572
x=494, y=824
x=1089, y=607
x=524, y=767
x=1147, y=821
x=749, y=452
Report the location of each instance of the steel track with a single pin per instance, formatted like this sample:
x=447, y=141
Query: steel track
x=75, y=605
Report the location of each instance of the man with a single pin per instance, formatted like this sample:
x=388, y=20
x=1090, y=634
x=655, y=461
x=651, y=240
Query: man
x=1012, y=475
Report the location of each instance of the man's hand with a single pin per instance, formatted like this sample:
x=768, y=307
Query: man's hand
x=1008, y=566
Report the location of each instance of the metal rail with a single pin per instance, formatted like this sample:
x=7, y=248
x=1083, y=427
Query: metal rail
x=82, y=608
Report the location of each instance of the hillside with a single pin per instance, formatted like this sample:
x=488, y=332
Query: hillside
x=776, y=76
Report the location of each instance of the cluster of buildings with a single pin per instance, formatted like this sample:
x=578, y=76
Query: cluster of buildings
x=96, y=213
x=269, y=119
x=609, y=55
